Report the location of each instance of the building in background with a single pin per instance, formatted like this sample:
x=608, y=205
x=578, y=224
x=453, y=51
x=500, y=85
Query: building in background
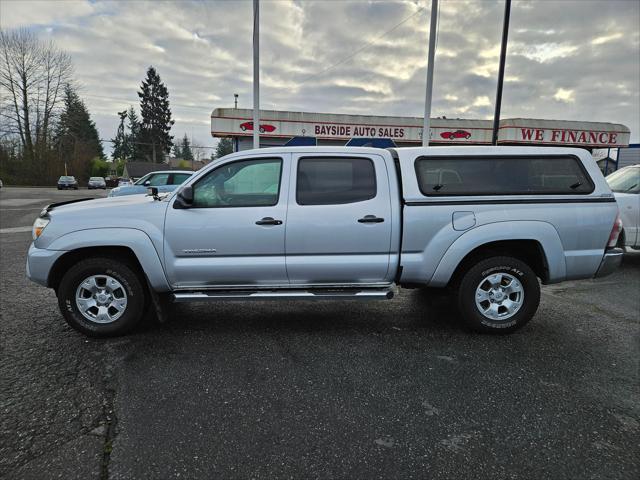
x=306, y=128
x=628, y=155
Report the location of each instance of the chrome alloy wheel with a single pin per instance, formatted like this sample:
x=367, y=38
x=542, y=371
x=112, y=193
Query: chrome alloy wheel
x=499, y=296
x=101, y=299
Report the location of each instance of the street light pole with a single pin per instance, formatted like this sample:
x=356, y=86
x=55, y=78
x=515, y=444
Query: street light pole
x=503, y=56
x=256, y=74
x=426, y=127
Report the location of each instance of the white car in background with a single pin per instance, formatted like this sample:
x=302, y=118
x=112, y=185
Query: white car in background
x=625, y=184
x=164, y=181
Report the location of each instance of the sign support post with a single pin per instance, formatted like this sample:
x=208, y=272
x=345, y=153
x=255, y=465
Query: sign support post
x=256, y=74
x=503, y=56
x=426, y=127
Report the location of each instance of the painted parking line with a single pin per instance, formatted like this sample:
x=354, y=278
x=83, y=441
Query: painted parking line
x=20, y=209
x=15, y=229
x=21, y=202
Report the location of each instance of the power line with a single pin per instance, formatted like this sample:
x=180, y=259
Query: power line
x=113, y=141
x=147, y=143
x=365, y=46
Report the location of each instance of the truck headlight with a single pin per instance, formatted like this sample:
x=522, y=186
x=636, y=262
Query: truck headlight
x=38, y=226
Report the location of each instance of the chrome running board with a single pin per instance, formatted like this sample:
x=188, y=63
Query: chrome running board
x=386, y=293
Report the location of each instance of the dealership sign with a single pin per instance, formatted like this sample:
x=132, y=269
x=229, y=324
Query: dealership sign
x=231, y=122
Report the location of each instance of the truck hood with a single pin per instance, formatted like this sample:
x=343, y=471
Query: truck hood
x=100, y=203
x=139, y=212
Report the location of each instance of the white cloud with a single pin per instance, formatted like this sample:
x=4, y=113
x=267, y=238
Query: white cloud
x=606, y=38
x=545, y=52
x=482, y=101
x=15, y=13
x=564, y=95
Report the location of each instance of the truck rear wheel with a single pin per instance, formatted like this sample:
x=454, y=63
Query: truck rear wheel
x=101, y=297
x=498, y=295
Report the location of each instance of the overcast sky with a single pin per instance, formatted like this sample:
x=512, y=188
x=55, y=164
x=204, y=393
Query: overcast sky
x=568, y=60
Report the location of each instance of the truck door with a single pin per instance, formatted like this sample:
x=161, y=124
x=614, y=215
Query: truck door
x=339, y=220
x=233, y=233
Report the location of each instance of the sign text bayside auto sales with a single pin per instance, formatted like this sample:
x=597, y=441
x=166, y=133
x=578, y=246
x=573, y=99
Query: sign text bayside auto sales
x=349, y=131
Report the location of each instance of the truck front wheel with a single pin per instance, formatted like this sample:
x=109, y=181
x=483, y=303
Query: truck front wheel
x=498, y=295
x=101, y=297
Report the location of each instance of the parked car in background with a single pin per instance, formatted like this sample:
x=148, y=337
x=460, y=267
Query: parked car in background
x=111, y=181
x=67, y=182
x=625, y=184
x=97, y=182
x=337, y=223
x=124, y=182
x=164, y=181
x=1, y=185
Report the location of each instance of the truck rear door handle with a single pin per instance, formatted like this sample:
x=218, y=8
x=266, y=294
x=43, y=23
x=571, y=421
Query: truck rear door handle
x=371, y=219
x=269, y=221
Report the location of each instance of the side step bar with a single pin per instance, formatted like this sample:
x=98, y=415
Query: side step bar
x=291, y=294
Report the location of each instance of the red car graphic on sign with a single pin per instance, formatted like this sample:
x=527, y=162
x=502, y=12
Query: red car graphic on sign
x=456, y=134
x=264, y=127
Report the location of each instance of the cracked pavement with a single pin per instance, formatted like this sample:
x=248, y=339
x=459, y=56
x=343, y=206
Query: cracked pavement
x=317, y=390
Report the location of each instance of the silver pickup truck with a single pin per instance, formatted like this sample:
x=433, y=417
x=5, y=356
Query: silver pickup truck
x=342, y=223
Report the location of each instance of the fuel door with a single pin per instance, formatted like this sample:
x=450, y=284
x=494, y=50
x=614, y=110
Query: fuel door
x=463, y=220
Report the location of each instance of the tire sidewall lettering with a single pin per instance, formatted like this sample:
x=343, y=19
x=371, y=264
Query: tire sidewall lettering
x=502, y=268
x=121, y=279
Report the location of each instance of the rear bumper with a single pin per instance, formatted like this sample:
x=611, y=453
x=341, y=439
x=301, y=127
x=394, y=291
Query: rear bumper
x=610, y=262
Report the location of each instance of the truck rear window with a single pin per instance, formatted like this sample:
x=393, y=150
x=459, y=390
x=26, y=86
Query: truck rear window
x=502, y=175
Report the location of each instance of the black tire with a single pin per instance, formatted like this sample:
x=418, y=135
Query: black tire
x=483, y=269
x=120, y=271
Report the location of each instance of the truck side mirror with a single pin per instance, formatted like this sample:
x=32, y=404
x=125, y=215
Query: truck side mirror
x=185, y=197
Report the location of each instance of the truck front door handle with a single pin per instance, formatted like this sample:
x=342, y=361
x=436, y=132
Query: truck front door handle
x=371, y=219
x=269, y=221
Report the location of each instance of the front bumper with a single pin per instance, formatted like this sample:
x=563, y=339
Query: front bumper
x=40, y=261
x=610, y=262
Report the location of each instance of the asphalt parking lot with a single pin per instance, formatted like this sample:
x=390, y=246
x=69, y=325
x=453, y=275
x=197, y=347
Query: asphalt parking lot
x=317, y=390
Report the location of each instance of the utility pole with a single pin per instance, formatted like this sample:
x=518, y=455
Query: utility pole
x=256, y=74
x=503, y=57
x=426, y=127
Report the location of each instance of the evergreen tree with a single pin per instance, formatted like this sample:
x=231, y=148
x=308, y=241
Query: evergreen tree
x=126, y=141
x=176, y=151
x=120, y=140
x=156, y=118
x=185, y=149
x=224, y=147
x=76, y=135
x=132, y=151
